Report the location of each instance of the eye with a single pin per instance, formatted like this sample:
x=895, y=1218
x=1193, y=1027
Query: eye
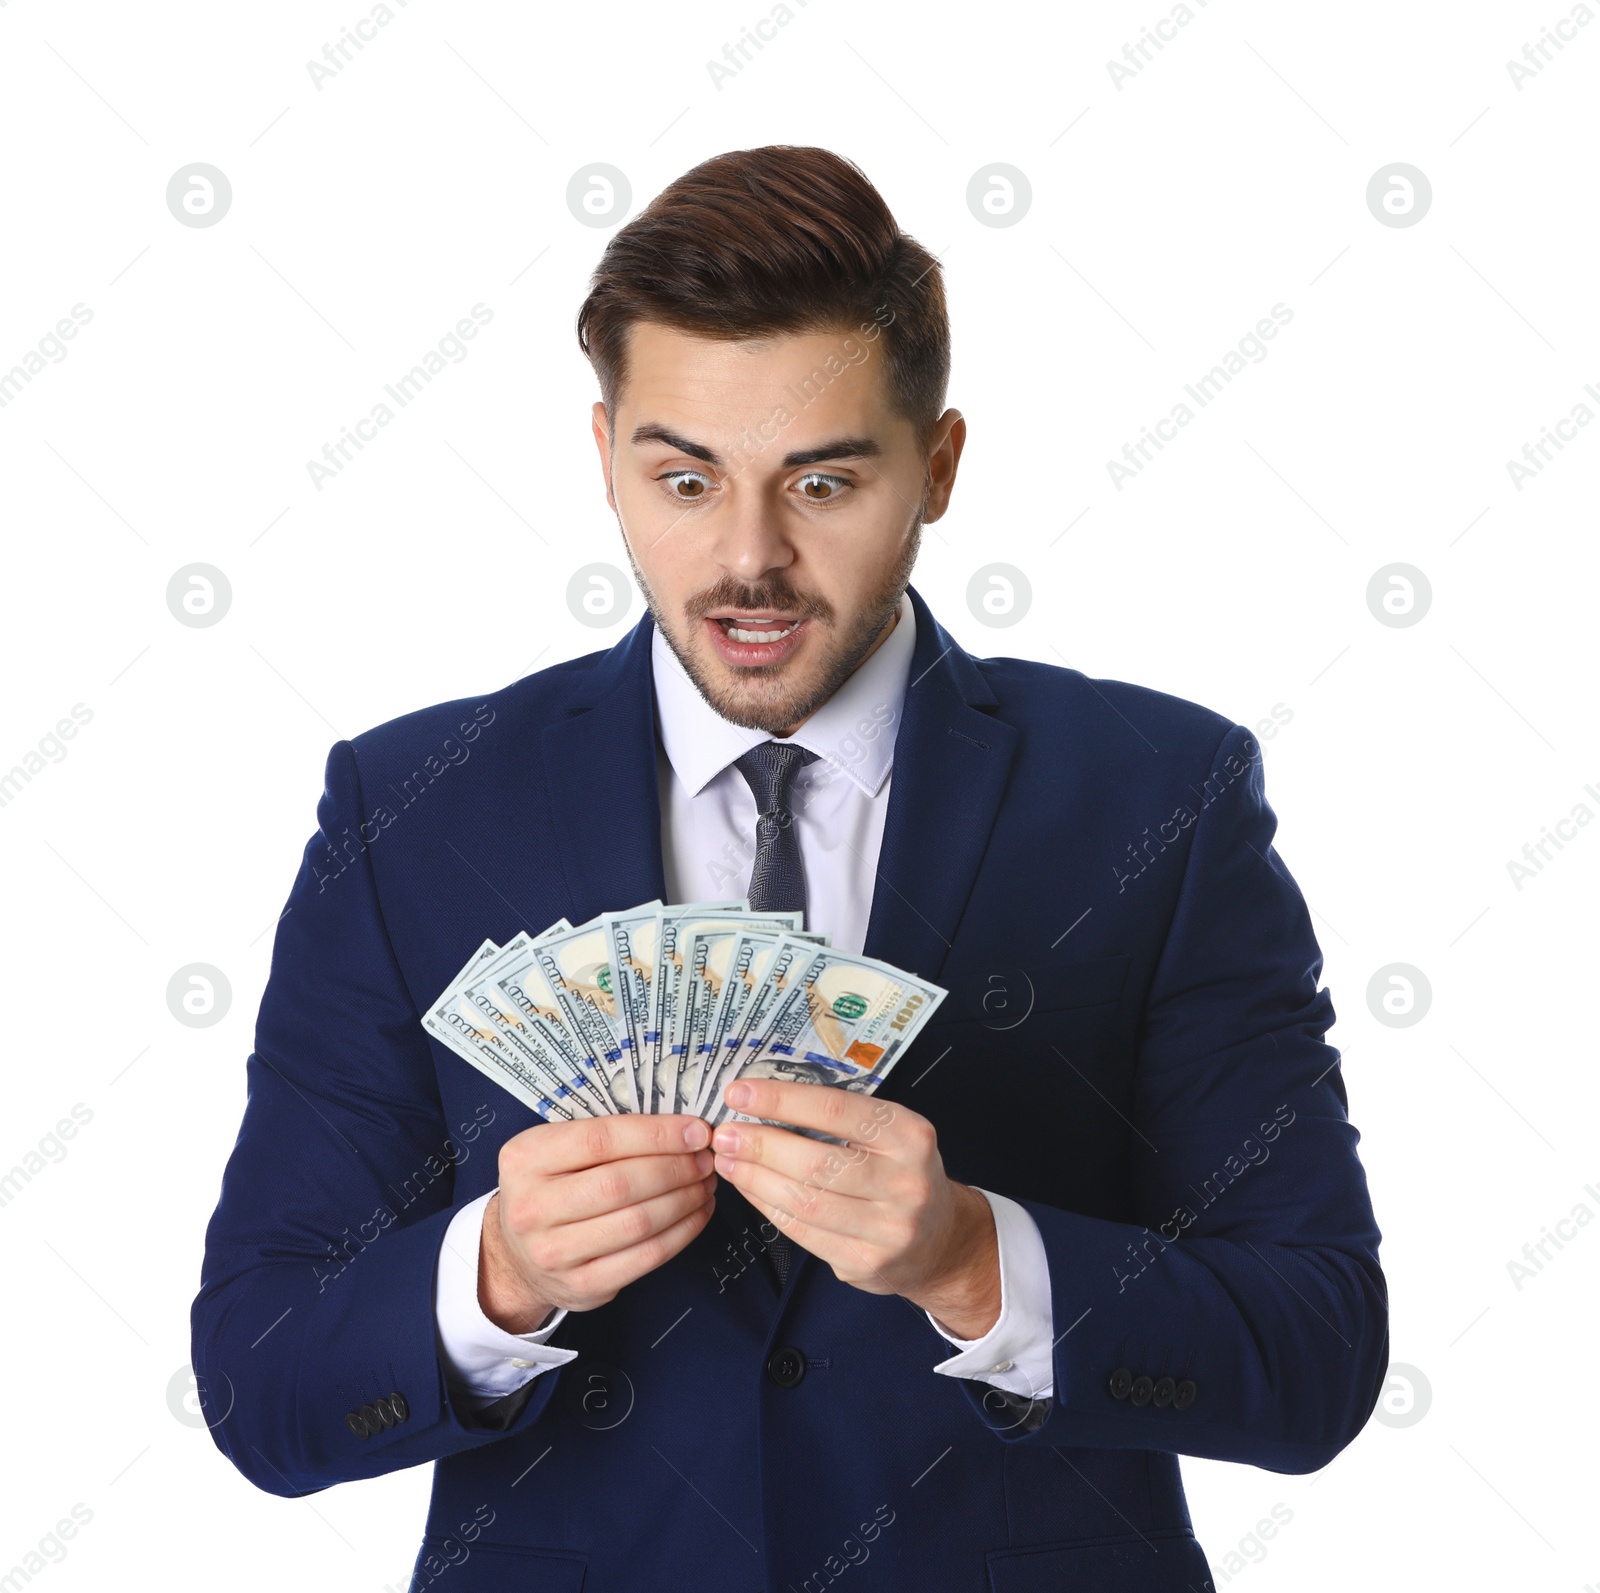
x=819, y=488
x=688, y=486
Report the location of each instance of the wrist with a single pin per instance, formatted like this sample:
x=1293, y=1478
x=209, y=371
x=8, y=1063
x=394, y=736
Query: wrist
x=503, y=1293
x=965, y=1297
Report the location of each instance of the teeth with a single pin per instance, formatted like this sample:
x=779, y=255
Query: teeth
x=737, y=635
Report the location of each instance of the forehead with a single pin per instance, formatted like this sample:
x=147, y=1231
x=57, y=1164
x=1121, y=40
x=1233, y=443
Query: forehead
x=809, y=382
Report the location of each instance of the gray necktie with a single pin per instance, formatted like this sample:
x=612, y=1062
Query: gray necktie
x=778, y=881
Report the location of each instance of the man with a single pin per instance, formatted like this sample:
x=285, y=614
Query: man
x=1106, y=1211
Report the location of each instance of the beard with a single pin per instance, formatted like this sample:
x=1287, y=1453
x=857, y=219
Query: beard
x=785, y=697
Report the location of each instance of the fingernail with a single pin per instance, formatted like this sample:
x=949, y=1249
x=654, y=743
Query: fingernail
x=727, y=1140
x=703, y=1161
x=696, y=1134
x=738, y=1094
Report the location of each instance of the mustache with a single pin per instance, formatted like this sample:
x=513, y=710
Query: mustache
x=777, y=595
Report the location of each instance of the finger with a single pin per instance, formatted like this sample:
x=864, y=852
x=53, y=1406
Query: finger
x=807, y=1209
x=561, y=1249
x=604, y=1276
x=593, y=1191
x=853, y=1169
x=845, y=1114
x=854, y=1259
x=587, y=1142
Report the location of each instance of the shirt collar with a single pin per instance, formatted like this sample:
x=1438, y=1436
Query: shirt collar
x=700, y=743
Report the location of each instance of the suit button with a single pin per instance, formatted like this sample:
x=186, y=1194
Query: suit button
x=353, y=1420
x=1164, y=1390
x=1183, y=1396
x=397, y=1403
x=1121, y=1382
x=1141, y=1391
x=375, y=1422
x=786, y=1366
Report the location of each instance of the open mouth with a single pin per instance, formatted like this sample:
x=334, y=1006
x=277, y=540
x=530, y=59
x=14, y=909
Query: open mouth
x=760, y=629
x=750, y=639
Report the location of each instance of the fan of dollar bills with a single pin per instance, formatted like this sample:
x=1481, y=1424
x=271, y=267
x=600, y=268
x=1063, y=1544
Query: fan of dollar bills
x=657, y=1008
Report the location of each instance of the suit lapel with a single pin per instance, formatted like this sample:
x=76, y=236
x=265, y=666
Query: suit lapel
x=951, y=764
x=600, y=775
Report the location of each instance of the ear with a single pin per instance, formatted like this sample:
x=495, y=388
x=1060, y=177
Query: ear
x=944, y=459
x=602, y=441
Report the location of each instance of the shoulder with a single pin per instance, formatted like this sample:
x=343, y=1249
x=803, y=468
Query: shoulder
x=446, y=733
x=1116, y=717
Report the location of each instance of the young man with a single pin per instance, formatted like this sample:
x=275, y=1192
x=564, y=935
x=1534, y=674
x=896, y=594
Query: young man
x=1107, y=1211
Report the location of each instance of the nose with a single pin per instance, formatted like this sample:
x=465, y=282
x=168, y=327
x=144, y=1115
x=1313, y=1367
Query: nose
x=749, y=539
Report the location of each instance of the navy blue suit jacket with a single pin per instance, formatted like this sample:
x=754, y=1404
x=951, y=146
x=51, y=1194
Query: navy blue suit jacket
x=1132, y=1048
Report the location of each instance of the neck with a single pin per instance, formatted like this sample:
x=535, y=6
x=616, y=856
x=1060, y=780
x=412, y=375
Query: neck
x=894, y=619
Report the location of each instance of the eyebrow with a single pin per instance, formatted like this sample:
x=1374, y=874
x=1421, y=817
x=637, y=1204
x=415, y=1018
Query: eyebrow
x=837, y=448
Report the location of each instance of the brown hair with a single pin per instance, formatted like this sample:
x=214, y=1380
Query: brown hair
x=780, y=240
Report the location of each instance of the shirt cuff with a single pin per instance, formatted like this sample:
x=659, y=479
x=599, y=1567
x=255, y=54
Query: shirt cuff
x=479, y=1358
x=1016, y=1353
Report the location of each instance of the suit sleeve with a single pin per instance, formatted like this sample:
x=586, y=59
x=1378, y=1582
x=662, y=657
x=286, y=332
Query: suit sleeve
x=314, y=1337
x=1244, y=1316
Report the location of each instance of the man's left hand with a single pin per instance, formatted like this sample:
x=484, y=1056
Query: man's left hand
x=878, y=1209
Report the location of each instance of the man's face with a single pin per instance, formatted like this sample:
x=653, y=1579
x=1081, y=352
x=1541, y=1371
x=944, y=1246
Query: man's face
x=771, y=501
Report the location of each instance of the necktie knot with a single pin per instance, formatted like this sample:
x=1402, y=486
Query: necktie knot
x=777, y=879
x=769, y=769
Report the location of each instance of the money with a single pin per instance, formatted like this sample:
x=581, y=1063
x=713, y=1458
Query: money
x=844, y=1020
x=658, y=1007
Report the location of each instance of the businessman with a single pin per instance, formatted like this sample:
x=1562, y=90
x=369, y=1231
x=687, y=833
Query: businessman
x=1106, y=1211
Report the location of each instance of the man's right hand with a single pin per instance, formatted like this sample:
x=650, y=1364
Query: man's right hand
x=586, y=1207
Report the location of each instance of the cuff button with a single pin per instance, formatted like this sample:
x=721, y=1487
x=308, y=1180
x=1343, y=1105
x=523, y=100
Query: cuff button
x=1141, y=1391
x=1121, y=1382
x=353, y=1420
x=1163, y=1394
x=1184, y=1395
x=397, y=1403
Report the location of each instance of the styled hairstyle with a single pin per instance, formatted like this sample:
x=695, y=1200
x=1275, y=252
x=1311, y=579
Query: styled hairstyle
x=785, y=239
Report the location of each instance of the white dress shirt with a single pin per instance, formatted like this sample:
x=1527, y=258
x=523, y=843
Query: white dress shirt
x=708, y=824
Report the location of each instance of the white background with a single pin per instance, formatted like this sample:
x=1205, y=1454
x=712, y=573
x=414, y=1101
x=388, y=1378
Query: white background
x=1168, y=216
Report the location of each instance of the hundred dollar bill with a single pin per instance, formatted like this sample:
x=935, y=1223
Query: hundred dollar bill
x=665, y=979
x=571, y=971
x=631, y=950
x=845, y=1021
x=697, y=964
x=537, y=1036
x=736, y=961
x=779, y=967
x=526, y=1014
x=476, y=1040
